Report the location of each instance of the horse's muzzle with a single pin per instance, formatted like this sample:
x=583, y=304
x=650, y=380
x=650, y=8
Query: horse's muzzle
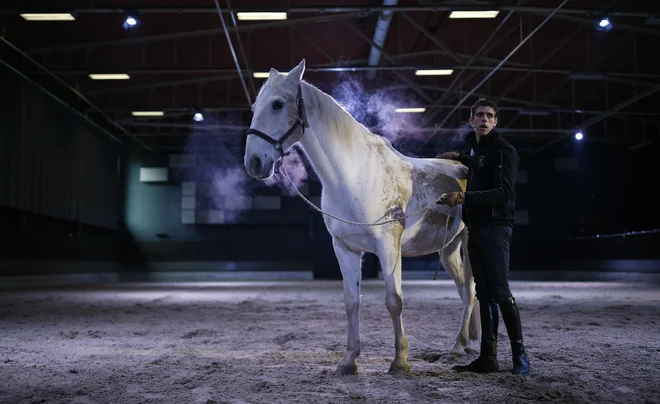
x=257, y=169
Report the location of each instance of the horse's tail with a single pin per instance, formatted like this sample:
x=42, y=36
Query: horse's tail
x=474, y=329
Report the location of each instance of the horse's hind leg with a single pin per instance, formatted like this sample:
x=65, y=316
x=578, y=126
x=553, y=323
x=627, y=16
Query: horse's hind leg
x=389, y=254
x=349, y=262
x=461, y=273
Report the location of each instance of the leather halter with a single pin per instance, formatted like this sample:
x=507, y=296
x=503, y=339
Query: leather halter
x=301, y=120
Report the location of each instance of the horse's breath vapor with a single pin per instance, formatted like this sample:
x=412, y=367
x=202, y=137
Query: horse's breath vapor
x=221, y=181
x=295, y=168
x=377, y=110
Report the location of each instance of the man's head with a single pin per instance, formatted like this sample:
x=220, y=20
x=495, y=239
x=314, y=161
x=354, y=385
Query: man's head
x=483, y=116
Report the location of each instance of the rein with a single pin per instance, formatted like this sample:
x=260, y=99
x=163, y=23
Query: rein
x=376, y=223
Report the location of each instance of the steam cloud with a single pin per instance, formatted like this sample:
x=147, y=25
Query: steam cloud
x=223, y=186
x=377, y=112
x=295, y=167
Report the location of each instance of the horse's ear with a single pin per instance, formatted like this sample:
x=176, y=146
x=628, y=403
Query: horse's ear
x=298, y=71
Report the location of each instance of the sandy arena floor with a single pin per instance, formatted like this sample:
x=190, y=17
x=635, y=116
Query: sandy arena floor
x=279, y=342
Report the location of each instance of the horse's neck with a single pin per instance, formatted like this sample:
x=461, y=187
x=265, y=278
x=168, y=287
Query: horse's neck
x=334, y=165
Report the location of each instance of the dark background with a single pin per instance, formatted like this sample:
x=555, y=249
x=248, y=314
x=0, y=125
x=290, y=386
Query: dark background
x=71, y=199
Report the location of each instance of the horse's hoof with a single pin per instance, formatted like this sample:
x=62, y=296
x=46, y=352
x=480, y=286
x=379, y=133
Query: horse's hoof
x=399, y=368
x=458, y=351
x=473, y=346
x=350, y=369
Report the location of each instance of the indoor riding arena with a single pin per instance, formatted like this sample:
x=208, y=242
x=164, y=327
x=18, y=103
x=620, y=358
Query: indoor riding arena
x=249, y=201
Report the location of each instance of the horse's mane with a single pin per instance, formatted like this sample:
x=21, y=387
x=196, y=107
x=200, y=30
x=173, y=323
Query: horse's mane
x=343, y=128
x=350, y=134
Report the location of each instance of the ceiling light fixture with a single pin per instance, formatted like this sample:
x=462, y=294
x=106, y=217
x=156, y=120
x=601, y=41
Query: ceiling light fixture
x=48, y=16
x=260, y=15
x=264, y=75
x=409, y=110
x=109, y=76
x=434, y=72
x=474, y=14
x=147, y=113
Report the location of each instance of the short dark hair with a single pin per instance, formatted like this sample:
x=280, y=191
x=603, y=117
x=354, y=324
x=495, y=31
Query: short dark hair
x=485, y=102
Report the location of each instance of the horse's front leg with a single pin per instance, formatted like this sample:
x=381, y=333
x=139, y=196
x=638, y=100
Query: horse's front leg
x=389, y=255
x=349, y=262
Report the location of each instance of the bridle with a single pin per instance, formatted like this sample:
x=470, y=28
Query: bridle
x=301, y=120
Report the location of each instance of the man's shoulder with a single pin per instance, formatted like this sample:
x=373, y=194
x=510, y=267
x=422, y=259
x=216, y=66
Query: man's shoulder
x=505, y=146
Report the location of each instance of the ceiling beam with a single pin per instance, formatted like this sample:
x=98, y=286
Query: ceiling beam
x=513, y=51
x=560, y=45
x=338, y=9
x=176, y=83
x=190, y=34
x=476, y=56
x=342, y=67
x=603, y=57
x=585, y=124
x=406, y=80
x=227, y=108
x=74, y=93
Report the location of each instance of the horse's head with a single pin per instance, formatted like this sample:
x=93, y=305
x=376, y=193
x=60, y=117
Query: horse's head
x=278, y=121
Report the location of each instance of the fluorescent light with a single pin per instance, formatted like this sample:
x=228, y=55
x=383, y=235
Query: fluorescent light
x=148, y=113
x=264, y=75
x=433, y=72
x=254, y=16
x=48, y=16
x=109, y=76
x=410, y=110
x=474, y=14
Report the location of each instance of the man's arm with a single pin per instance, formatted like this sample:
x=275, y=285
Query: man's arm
x=506, y=168
x=464, y=158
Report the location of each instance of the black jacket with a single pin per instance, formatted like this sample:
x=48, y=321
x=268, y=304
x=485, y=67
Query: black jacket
x=490, y=197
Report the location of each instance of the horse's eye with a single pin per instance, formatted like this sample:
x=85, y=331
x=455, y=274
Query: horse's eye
x=278, y=105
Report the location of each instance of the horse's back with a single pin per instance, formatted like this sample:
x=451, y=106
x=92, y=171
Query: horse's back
x=437, y=176
x=433, y=166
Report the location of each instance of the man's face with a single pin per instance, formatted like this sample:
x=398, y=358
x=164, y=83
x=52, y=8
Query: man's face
x=483, y=120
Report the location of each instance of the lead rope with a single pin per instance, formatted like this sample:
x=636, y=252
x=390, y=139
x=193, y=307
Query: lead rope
x=442, y=250
x=377, y=223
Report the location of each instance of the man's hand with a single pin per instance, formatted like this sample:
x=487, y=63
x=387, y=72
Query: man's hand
x=452, y=155
x=452, y=199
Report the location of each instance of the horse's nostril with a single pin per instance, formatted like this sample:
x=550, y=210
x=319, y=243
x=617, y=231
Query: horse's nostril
x=255, y=165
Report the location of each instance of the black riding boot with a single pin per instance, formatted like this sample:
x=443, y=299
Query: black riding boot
x=487, y=360
x=511, y=318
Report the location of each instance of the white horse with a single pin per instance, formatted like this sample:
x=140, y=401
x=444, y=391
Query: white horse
x=366, y=180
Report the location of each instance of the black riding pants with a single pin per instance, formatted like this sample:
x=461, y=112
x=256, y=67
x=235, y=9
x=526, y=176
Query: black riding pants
x=489, y=256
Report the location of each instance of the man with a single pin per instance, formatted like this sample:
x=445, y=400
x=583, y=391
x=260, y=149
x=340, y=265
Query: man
x=489, y=206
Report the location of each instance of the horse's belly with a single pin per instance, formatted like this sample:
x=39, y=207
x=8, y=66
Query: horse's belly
x=427, y=235
x=356, y=237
